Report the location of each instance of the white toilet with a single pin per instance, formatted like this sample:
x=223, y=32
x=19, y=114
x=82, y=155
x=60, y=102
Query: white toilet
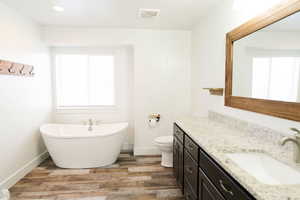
x=165, y=145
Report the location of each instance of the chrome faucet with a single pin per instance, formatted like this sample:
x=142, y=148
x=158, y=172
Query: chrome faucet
x=90, y=123
x=296, y=140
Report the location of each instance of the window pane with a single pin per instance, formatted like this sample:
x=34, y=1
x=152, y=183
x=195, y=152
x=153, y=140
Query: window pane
x=84, y=80
x=260, y=77
x=72, y=80
x=102, y=88
x=276, y=78
x=284, y=79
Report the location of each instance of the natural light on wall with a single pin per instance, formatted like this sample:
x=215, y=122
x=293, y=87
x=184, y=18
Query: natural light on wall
x=253, y=7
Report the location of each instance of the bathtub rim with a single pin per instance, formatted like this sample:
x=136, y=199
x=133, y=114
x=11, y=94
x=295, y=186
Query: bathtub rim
x=51, y=135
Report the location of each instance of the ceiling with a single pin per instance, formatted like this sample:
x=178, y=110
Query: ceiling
x=175, y=14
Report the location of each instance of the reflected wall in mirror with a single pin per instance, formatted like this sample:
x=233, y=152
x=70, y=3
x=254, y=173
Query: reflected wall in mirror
x=266, y=64
x=263, y=63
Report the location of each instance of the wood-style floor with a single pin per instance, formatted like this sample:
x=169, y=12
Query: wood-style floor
x=131, y=178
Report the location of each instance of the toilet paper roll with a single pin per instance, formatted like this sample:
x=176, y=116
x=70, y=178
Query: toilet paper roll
x=152, y=122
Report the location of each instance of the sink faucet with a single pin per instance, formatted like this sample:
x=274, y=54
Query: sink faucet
x=90, y=123
x=296, y=141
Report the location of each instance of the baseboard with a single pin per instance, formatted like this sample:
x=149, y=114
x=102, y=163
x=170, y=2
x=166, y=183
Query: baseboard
x=20, y=173
x=140, y=151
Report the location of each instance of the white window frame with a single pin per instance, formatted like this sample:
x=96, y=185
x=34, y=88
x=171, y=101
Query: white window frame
x=85, y=51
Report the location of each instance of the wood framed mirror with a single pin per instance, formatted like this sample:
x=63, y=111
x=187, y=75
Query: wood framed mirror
x=263, y=63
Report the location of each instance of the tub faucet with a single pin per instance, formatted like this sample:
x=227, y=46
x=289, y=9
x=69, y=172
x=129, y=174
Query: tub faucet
x=90, y=123
x=296, y=140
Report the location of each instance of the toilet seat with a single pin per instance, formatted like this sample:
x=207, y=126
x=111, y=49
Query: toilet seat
x=164, y=140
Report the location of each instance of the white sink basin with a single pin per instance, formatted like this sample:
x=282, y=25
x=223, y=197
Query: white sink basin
x=265, y=169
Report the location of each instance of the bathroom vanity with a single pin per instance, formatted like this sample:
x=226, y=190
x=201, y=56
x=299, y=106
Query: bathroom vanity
x=199, y=175
x=223, y=158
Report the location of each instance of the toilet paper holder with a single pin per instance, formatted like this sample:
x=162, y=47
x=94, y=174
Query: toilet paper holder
x=155, y=116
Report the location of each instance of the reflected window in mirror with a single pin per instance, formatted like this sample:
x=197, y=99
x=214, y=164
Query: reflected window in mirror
x=266, y=63
x=276, y=78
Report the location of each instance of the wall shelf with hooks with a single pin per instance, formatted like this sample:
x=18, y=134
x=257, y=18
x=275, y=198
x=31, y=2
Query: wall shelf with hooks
x=17, y=69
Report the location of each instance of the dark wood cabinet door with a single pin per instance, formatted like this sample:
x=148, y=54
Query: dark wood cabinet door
x=175, y=158
x=207, y=190
x=181, y=166
x=178, y=161
x=190, y=172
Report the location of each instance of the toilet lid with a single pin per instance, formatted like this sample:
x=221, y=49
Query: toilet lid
x=164, y=140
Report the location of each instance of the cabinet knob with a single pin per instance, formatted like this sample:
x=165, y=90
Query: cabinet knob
x=190, y=170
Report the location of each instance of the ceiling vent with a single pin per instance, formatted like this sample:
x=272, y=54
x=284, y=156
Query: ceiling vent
x=149, y=13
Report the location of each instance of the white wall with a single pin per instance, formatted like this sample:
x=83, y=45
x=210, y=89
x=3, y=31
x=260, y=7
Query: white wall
x=208, y=66
x=161, y=77
x=25, y=103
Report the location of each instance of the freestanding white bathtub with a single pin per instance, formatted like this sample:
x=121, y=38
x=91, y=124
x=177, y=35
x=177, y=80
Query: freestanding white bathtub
x=73, y=146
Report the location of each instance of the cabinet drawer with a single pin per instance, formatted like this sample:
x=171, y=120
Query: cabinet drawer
x=188, y=192
x=178, y=133
x=191, y=147
x=191, y=172
x=207, y=191
x=230, y=189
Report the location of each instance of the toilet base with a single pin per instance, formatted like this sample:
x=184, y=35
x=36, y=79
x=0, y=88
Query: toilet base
x=167, y=159
x=4, y=194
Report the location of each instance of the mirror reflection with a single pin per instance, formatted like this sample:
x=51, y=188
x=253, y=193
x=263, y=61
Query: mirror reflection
x=266, y=64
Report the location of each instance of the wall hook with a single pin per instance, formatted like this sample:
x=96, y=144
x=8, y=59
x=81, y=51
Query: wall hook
x=31, y=71
x=21, y=71
x=16, y=69
x=10, y=69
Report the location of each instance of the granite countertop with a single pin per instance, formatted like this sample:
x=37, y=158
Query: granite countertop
x=217, y=140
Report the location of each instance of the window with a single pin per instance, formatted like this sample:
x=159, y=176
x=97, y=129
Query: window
x=84, y=80
x=276, y=78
